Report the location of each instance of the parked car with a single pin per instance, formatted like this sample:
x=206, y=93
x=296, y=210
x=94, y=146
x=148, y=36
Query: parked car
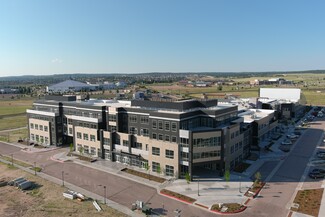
x=292, y=136
x=298, y=133
x=317, y=170
x=286, y=142
x=316, y=175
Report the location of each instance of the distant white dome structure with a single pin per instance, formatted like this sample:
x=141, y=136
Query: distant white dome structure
x=69, y=86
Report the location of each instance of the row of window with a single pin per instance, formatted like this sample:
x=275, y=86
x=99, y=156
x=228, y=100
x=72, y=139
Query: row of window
x=207, y=142
x=39, y=127
x=164, y=125
x=236, y=147
x=169, y=170
x=85, y=149
x=165, y=138
x=143, y=119
x=234, y=134
x=86, y=136
x=168, y=153
x=209, y=154
x=38, y=138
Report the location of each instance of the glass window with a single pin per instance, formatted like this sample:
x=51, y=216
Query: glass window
x=160, y=125
x=32, y=126
x=92, y=138
x=46, y=129
x=125, y=143
x=144, y=132
x=133, y=118
x=70, y=130
x=169, y=170
x=154, y=124
x=169, y=154
x=85, y=136
x=160, y=137
x=174, y=139
x=155, y=151
x=112, y=117
x=41, y=127
x=78, y=135
x=174, y=126
x=106, y=141
x=154, y=135
x=144, y=120
x=167, y=125
x=155, y=166
x=133, y=130
x=36, y=126
x=93, y=151
x=167, y=138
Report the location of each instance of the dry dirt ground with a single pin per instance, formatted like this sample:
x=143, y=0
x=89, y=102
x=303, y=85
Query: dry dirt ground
x=45, y=199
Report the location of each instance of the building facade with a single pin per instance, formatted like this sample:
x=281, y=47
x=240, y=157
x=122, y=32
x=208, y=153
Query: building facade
x=173, y=138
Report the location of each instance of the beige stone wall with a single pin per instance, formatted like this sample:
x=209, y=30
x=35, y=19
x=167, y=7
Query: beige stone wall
x=231, y=142
x=163, y=147
x=39, y=132
x=89, y=131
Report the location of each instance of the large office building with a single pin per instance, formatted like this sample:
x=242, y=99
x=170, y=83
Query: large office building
x=171, y=137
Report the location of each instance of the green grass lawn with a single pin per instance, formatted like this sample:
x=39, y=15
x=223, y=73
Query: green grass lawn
x=8, y=107
x=13, y=122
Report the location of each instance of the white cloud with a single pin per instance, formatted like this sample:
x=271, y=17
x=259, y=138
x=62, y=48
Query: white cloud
x=56, y=60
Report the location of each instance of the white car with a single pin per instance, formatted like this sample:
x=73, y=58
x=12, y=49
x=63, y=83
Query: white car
x=286, y=142
x=292, y=136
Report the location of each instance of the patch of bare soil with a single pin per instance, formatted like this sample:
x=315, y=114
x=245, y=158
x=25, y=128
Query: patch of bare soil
x=43, y=200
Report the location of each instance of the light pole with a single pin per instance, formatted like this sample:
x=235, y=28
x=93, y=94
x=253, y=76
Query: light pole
x=198, y=186
x=105, y=194
x=35, y=168
x=239, y=183
x=12, y=159
x=63, y=178
x=104, y=186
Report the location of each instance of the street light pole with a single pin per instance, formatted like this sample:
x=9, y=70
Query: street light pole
x=35, y=168
x=63, y=178
x=105, y=194
x=198, y=187
x=239, y=184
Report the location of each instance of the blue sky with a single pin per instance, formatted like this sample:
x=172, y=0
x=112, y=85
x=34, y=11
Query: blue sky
x=78, y=36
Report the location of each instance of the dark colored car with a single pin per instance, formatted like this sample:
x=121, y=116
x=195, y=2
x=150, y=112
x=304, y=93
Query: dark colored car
x=316, y=175
x=298, y=133
x=318, y=171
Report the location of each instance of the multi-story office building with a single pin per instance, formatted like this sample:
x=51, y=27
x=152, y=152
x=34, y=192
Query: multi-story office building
x=172, y=137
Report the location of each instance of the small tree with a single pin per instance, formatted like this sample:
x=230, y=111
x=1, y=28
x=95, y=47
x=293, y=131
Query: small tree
x=81, y=150
x=71, y=148
x=258, y=177
x=147, y=167
x=188, y=179
x=158, y=169
x=227, y=175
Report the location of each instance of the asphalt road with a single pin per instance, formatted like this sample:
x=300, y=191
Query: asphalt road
x=275, y=198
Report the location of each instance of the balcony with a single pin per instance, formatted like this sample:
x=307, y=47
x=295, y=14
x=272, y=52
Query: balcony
x=121, y=148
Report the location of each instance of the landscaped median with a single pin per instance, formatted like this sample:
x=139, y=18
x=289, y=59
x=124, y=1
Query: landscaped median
x=228, y=208
x=144, y=175
x=177, y=196
x=308, y=201
x=255, y=189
